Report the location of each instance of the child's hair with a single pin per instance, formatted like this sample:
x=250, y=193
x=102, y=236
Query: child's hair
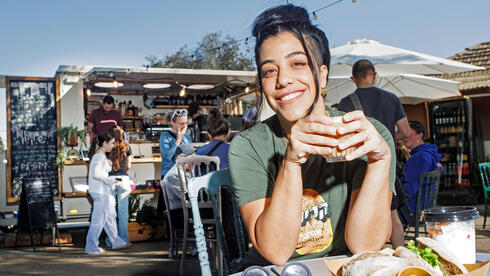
x=120, y=150
x=98, y=142
x=217, y=124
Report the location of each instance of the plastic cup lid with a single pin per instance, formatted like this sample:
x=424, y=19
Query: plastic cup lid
x=450, y=214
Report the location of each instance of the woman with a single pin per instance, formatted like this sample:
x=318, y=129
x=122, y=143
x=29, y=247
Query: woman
x=218, y=131
x=170, y=140
x=293, y=203
x=100, y=187
x=121, y=162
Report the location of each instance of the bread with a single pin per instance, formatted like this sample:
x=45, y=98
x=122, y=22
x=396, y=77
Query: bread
x=449, y=263
x=416, y=260
x=373, y=263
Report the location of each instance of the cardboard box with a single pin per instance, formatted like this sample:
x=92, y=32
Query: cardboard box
x=478, y=269
x=38, y=238
x=144, y=232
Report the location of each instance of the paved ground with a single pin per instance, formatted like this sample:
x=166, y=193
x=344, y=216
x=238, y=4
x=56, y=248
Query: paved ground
x=143, y=258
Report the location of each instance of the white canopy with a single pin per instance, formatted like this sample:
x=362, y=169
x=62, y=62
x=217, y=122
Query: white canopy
x=391, y=60
x=410, y=88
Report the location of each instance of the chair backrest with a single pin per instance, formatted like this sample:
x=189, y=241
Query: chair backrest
x=213, y=183
x=485, y=176
x=427, y=191
x=186, y=171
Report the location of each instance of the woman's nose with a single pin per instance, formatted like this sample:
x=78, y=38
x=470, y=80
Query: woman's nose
x=284, y=77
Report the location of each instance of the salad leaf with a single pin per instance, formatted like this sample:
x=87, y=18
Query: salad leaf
x=425, y=253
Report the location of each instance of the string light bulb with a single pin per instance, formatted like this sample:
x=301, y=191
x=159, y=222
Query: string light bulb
x=182, y=91
x=247, y=89
x=315, y=17
x=89, y=92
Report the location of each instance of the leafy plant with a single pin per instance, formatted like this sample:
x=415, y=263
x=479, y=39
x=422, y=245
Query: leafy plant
x=69, y=136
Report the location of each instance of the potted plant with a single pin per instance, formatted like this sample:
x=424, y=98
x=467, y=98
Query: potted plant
x=69, y=136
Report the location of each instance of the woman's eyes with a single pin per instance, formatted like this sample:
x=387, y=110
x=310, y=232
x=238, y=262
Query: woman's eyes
x=268, y=72
x=294, y=65
x=299, y=64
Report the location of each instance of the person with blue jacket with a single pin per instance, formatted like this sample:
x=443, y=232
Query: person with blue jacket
x=423, y=158
x=170, y=140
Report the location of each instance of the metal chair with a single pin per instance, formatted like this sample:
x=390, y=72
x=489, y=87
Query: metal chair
x=212, y=184
x=173, y=247
x=186, y=171
x=426, y=198
x=485, y=180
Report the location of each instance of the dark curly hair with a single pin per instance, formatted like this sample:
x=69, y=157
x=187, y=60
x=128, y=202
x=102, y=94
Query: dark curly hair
x=294, y=19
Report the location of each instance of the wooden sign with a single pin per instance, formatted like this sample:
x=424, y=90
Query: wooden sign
x=32, y=117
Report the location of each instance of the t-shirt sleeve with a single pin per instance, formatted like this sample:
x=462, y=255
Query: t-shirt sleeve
x=385, y=133
x=346, y=105
x=92, y=117
x=399, y=111
x=119, y=120
x=249, y=175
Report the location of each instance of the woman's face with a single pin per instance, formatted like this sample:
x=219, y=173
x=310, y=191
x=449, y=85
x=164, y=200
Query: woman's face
x=107, y=146
x=287, y=80
x=180, y=122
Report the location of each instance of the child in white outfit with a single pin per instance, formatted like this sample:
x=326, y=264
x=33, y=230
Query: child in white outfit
x=100, y=187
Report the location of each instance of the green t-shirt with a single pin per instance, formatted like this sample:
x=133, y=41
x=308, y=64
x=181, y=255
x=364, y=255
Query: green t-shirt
x=255, y=158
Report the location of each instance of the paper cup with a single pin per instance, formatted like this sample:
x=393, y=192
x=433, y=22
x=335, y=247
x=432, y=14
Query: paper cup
x=338, y=155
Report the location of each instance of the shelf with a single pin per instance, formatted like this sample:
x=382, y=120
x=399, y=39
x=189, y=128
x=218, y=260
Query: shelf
x=133, y=192
x=184, y=106
x=133, y=117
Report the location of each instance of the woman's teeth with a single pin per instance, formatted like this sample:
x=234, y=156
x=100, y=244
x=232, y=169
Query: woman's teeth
x=290, y=96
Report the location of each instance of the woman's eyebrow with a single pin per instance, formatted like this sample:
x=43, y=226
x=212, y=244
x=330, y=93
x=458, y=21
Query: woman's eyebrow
x=287, y=56
x=295, y=53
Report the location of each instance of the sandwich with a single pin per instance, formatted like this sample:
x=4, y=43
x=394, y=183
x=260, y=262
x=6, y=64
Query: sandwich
x=429, y=258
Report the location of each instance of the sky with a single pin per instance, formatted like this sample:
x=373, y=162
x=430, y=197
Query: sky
x=38, y=36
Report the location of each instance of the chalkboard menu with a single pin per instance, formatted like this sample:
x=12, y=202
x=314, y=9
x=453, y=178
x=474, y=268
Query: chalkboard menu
x=36, y=209
x=32, y=116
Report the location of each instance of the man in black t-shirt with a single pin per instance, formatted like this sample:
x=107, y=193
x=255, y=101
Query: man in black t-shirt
x=385, y=107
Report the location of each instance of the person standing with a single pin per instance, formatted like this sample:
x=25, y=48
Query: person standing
x=423, y=158
x=121, y=162
x=100, y=188
x=385, y=107
x=104, y=118
x=170, y=140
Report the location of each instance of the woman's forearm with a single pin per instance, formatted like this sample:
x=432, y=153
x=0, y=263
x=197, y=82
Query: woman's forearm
x=277, y=228
x=368, y=223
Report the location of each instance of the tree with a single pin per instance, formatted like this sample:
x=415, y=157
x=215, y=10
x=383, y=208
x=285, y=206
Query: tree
x=212, y=52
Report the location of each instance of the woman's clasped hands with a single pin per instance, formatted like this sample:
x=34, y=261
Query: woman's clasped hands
x=321, y=134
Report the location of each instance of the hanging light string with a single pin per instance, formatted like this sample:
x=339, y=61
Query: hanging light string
x=247, y=39
x=315, y=17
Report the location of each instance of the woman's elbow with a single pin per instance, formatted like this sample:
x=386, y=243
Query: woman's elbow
x=277, y=258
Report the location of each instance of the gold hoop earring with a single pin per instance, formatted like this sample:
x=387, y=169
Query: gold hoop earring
x=324, y=91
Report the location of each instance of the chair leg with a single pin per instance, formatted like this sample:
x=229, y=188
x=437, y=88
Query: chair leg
x=184, y=248
x=485, y=219
x=416, y=229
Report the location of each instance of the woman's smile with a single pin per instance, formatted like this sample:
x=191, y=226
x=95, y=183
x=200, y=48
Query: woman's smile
x=289, y=97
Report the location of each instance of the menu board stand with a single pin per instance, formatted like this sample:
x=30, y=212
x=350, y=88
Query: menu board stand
x=36, y=209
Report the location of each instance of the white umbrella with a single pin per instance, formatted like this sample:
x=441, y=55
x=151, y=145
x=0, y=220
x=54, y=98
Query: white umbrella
x=410, y=88
x=391, y=60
